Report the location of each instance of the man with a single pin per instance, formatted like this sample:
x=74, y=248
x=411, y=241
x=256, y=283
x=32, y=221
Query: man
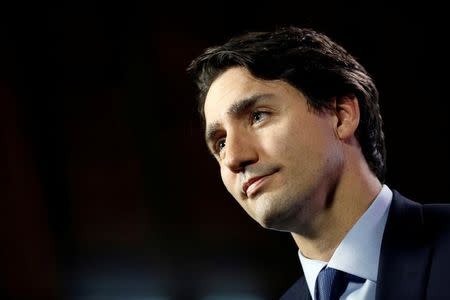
x=294, y=123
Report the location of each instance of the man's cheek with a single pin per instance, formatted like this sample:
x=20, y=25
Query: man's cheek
x=227, y=181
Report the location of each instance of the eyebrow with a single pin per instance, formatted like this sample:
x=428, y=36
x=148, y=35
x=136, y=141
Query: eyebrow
x=235, y=110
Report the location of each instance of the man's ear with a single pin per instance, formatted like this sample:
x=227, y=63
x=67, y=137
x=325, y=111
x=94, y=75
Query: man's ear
x=347, y=112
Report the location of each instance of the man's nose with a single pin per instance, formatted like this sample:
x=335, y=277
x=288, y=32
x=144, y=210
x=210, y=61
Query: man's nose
x=240, y=151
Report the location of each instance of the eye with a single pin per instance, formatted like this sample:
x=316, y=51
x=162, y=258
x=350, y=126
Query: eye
x=220, y=144
x=258, y=116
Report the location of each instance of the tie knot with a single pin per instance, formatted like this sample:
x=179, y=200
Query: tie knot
x=330, y=284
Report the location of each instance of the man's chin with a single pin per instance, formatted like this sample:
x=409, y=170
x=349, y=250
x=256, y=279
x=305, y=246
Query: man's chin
x=274, y=221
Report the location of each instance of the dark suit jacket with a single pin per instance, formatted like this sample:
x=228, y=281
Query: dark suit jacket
x=415, y=254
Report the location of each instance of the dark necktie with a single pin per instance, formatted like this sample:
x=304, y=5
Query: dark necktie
x=330, y=284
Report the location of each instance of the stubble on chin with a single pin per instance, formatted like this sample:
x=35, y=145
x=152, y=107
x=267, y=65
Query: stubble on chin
x=276, y=215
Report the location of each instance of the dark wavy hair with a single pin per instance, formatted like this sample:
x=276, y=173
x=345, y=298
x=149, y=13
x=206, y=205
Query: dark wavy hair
x=311, y=62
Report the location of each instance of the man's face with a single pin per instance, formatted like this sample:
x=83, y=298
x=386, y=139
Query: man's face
x=277, y=157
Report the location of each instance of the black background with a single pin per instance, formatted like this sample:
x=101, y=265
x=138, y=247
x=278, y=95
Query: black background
x=107, y=190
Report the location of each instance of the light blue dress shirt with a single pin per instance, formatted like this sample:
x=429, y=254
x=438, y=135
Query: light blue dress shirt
x=358, y=253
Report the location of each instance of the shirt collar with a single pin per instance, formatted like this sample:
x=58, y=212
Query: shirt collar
x=359, y=251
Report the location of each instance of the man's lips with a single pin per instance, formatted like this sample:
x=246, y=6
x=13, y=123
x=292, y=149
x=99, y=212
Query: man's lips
x=251, y=181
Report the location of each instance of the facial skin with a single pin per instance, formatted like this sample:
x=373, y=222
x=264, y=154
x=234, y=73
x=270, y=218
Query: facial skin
x=278, y=158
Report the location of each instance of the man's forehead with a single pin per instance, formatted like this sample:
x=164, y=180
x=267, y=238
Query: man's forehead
x=232, y=86
x=227, y=82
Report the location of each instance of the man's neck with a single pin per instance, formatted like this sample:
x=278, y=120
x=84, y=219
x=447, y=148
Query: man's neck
x=351, y=198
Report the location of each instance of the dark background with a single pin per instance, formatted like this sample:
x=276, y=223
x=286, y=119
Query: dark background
x=106, y=189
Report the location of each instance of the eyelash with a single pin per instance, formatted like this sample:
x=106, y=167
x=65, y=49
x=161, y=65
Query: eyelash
x=217, y=148
x=252, y=116
x=257, y=113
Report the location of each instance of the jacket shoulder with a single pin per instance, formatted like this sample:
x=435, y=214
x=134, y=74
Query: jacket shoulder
x=437, y=226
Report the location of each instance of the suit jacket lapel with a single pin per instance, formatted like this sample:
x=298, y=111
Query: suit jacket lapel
x=298, y=291
x=405, y=254
x=306, y=295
